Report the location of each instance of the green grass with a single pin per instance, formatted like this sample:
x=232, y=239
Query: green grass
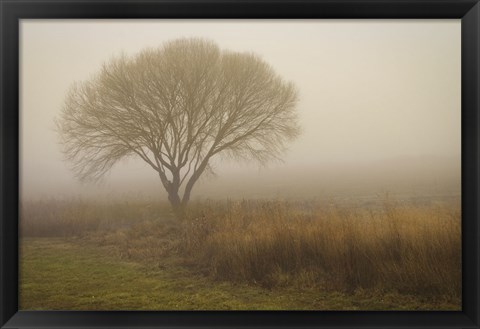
x=67, y=274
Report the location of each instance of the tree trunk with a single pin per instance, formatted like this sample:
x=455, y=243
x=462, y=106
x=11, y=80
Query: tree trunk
x=193, y=179
x=177, y=205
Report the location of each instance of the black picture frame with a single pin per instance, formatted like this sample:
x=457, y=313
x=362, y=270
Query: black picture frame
x=14, y=10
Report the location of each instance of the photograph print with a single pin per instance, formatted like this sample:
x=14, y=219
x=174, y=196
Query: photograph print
x=240, y=165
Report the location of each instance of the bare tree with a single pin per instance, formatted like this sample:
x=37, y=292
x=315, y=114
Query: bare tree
x=176, y=107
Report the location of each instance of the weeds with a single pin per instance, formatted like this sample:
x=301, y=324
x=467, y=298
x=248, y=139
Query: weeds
x=400, y=248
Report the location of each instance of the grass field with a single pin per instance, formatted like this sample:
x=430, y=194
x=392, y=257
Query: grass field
x=61, y=274
x=243, y=255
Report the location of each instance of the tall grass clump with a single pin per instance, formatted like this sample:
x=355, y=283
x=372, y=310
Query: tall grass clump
x=396, y=248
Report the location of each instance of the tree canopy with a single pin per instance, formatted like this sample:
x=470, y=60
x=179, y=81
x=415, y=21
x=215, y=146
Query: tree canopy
x=176, y=107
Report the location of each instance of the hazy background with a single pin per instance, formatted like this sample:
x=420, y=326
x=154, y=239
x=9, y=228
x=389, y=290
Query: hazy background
x=379, y=104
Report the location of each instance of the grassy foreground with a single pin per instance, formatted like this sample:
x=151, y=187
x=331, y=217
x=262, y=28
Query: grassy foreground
x=69, y=273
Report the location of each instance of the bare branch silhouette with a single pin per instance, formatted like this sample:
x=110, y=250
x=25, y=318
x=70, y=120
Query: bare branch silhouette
x=176, y=107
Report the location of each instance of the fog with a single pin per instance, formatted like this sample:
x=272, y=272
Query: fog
x=379, y=105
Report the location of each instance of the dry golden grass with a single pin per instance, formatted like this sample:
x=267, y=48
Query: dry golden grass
x=398, y=248
x=76, y=217
x=401, y=248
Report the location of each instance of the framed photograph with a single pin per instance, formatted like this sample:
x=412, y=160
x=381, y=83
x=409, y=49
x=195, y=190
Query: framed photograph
x=239, y=164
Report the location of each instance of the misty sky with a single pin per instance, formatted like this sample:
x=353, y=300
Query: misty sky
x=371, y=93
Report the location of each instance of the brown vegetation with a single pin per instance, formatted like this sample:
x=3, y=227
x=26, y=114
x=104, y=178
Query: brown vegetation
x=407, y=249
x=75, y=217
x=399, y=248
